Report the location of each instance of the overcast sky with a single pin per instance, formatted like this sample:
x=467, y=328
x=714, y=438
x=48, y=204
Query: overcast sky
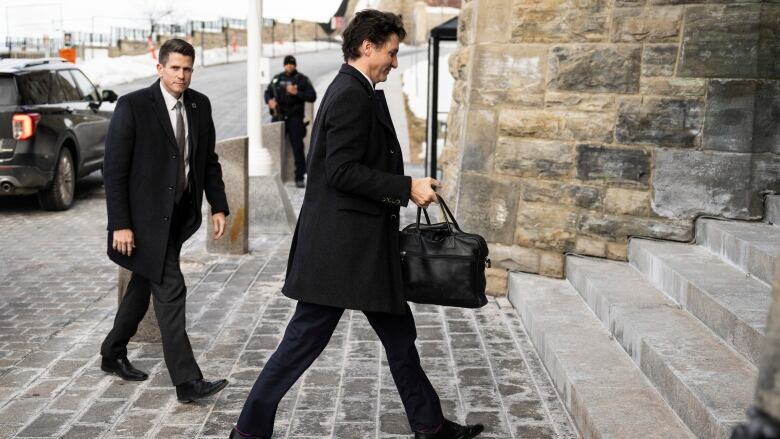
x=34, y=18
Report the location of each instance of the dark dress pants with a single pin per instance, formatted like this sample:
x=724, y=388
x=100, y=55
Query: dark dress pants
x=296, y=131
x=169, y=306
x=306, y=337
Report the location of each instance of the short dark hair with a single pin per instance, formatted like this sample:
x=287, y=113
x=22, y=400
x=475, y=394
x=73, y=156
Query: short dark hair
x=371, y=25
x=175, y=45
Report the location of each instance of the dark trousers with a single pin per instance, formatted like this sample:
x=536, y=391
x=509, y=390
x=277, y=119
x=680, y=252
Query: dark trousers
x=169, y=306
x=307, y=335
x=296, y=131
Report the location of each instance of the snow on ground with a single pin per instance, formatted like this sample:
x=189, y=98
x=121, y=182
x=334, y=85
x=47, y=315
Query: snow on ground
x=107, y=72
x=415, y=87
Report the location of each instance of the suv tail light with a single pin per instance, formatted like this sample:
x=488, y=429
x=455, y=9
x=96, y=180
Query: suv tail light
x=24, y=125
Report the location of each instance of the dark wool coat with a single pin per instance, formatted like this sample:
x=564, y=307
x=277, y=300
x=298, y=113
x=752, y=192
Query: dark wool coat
x=140, y=173
x=345, y=248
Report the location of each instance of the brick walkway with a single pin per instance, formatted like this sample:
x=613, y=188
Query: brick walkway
x=58, y=298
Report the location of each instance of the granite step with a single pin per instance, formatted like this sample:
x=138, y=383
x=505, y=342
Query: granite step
x=772, y=210
x=720, y=296
x=605, y=392
x=751, y=246
x=707, y=383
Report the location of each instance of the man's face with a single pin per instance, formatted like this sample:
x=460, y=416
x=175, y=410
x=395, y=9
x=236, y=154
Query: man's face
x=289, y=68
x=382, y=59
x=176, y=74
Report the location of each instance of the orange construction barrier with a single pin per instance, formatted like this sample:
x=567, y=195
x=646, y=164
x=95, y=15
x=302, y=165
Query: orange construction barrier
x=69, y=53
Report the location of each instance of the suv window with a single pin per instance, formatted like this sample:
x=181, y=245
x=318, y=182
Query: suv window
x=35, y=87
x=65, y=88
x=8, y=93
x=86, y=88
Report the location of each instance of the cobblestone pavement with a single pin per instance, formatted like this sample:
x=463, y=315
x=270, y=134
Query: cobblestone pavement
x=58, y=298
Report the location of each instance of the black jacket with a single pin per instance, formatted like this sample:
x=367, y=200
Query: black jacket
x=140, y=174
x=290, y=105
x=345, y=248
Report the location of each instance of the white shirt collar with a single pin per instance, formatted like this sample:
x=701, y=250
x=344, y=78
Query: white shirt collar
x=170, y=100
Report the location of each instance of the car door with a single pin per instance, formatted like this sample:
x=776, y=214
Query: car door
x=91, y=130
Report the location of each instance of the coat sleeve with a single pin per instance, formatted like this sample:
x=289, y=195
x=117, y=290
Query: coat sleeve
x=306, y=90
x=117, y=161
x=347, y=137
x=213, y=184
x=269, y=92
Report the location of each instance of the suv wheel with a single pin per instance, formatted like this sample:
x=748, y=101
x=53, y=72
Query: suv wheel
x=59, y=196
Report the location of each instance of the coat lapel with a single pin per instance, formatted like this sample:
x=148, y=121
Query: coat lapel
x=162, y=113
x=382, y=112
x=192, y=114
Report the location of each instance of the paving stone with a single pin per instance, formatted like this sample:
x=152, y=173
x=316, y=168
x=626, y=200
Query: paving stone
x=46, y=425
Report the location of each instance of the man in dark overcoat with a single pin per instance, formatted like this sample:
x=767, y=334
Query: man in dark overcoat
x=344, y=252
x=159, y=160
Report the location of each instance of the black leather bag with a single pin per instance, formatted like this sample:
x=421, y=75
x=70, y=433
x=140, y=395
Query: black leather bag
x=441, y=264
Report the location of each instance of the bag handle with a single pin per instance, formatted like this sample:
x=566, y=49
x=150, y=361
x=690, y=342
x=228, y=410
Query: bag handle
x=449, y=218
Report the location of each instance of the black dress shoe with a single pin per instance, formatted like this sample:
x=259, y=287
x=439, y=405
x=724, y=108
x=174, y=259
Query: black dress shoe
x=122, y=368
x=451, y=430
x=197, y=389
x=234, y=434
x=300, y=183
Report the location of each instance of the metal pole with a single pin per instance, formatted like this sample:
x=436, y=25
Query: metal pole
x=433, y=103
x=259, y=157
x=202, y=44
x=226, y=29
x=293, y=33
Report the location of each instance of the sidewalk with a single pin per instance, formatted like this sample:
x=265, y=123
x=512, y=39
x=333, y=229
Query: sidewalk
x=58, y=298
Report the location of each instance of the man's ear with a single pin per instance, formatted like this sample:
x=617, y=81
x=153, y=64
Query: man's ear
x=367, y=47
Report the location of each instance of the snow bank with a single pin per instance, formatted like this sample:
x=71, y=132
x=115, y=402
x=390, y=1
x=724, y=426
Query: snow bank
x=415, y=87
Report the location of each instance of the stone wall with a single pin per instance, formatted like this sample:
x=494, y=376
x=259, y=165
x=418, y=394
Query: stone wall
x=577, y=124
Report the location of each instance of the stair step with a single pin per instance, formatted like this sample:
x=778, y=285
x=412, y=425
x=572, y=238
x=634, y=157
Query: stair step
x=704, y=380
x=723, y=298
x=752, y=247
x=605, y=392
x=772, y=210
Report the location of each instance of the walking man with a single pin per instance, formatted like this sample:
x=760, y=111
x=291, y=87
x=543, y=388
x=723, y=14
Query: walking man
x=286, y=96
x=344, y=252
x=159, y=161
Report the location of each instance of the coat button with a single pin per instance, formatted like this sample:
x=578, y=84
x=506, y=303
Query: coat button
x=393, y=217
x=174, y=157
x=392, y=151
x=165, y=218
x=170, y=188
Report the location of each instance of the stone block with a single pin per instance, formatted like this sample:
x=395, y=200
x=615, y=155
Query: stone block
x=732, y=41
x=691, y=183
x=560, y=21
x=490, y=206
x=458, y=63
x=478, y=141
x=731, y=107
x=659, y=59
x=627, y=202
x=509, y=66
x=546, y=191
x=578, y=102
x=614, y=69
x=659, y=121
x=494, y=24
x=513, y=98
x=271, y=210
x=590, y=246
x=514, y=258
x=496, y=281
x=557, y=125
x=678, y=87
x=546, y=226
x=646, y=25
x=617, y=251
x=533, y=158
x=766, y=135
x=613, y=165
x=234, y=158
x=619, y=227
x=551, y=264
x=148, y=329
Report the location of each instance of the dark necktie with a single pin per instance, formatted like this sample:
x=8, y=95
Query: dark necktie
x=181, y=141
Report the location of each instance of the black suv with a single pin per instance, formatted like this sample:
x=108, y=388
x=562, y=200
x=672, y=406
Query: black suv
x=53, y=125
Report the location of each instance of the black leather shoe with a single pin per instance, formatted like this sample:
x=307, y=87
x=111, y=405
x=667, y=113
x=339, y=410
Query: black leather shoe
x=197, y=389
x=234, y=434
x=300, y=184
x=122, y=368
x=451, y=430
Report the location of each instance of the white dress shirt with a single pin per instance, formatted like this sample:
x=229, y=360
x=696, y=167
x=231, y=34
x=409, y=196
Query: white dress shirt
x=367, y=78
x=170, y=104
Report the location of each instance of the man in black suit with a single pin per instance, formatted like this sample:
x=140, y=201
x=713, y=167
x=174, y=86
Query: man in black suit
x=345, y=252
x=159, y=160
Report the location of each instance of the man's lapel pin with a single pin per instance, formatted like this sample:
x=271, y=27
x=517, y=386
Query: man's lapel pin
x=194, y=106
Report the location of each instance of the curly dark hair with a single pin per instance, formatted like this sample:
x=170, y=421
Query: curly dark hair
x=371, y=25
x=175, y=45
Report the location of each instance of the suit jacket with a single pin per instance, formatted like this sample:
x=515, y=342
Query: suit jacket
x=140, y=173
x=345, y=247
